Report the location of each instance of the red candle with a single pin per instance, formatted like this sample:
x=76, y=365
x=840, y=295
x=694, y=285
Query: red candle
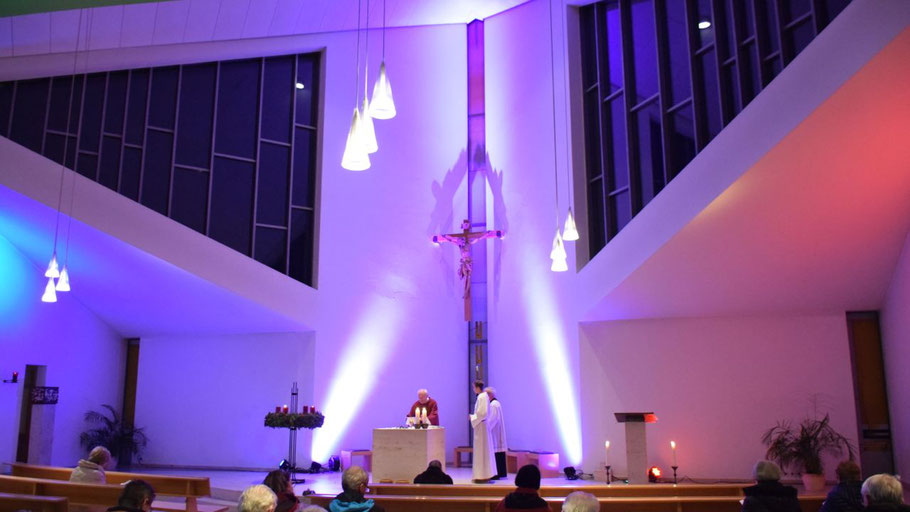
x=306, y=409
x=277, y=409
x=285, y=409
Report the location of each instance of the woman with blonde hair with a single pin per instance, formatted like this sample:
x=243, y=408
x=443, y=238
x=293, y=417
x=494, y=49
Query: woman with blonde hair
x=91, y=470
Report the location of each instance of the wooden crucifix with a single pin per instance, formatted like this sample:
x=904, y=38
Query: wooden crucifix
x=464, y=241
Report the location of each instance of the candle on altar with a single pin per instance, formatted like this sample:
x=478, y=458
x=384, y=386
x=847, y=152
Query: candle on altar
x=423, y=414
x=673, y=447
x=607, y=454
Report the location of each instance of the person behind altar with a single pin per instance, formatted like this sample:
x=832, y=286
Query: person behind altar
x=425, y=402
x=497, y=434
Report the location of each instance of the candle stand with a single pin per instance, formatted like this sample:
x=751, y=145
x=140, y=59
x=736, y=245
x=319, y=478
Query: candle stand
x=675, y=481
x=609, y=474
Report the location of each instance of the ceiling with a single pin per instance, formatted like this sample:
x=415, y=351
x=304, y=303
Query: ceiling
x=817, y=224
x=182, y=21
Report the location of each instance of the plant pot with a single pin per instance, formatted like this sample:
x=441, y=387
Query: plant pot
x=813, y=483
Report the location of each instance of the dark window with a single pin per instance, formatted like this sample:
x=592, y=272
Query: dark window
x=661, y=78
x=225, y=148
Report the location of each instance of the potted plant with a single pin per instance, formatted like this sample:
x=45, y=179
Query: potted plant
x=800, y=448
x=122, y=439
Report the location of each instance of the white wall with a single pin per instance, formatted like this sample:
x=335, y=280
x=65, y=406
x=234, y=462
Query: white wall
x=533, y=347
x=716, y=384
x=895, y=323
x=203, y=400
x=84, y=357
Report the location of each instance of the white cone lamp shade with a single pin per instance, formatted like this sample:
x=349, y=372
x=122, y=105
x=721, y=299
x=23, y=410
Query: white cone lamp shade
x=569, y=232
x=355, y=157
x=63, y=283
x=49, y=294
x=53, y=270
x=382, y=105
x=367, y=131
x=559, y=265
x=559, y=250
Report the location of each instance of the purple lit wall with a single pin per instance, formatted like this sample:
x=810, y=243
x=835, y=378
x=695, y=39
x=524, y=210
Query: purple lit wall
x=716, y=384
x=895, y=323
x=84, y=357
x=536, y=371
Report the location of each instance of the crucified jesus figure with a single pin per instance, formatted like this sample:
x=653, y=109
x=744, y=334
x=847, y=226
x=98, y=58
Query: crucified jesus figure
x=464, y=241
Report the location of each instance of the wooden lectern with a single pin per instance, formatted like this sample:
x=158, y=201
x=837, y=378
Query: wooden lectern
x=636, y=444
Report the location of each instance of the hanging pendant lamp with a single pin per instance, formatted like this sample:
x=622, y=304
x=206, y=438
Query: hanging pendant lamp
x=382, y=106
x=367, y=130
x=559, y=249
x=49, y=294
x=63, y=283
x=569, y=232
x=53, y=269
x=355, y=156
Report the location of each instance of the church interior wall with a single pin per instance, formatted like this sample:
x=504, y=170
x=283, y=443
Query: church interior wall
x=533, y=330
x=83, y=355
x=895, y=324
x=202, y=399
x=715, y=384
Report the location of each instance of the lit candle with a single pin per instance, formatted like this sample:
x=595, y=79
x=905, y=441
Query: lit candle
x=607, y=455
x=285, y=409
x=423, y=414
x=673, y=447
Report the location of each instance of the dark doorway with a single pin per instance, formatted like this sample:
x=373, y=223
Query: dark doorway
x=873, y=418
x=34, y=376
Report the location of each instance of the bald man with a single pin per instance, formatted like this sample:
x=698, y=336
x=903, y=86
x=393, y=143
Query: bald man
x=425, y=402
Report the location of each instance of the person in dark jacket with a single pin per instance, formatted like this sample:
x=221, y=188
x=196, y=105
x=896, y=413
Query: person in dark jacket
x=768, y=494
x=433, y=475
x=884, y=493
x=525, y=497
x=846, y=496
x=354, y=486
x=137, y=496
x=280, y=483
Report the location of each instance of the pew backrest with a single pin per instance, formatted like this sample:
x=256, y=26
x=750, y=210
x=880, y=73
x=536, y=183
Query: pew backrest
x=76, y=493
x=604, y=491
x=9, y=501
x=164, y=485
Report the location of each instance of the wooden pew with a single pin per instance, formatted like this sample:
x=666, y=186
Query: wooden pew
x=191, y=488
x=624, y=504
x=605, y=491
x=11, y=502
x=93, y=496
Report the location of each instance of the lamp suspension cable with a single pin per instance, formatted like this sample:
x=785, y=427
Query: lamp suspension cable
x=63, y=283
x=53, y=270
x=368, y=131
x=355, y=157
x=570, y=231
x=558, y=252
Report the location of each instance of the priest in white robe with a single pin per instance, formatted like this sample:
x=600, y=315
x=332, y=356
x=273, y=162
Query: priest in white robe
x=497, y=433
x=484, y=461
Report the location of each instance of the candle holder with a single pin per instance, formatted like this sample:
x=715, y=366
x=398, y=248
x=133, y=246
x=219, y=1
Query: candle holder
x=609, y=474
x=675, y=481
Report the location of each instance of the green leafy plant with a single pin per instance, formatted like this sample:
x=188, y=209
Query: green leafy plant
x=123, y=440
x=800, y=448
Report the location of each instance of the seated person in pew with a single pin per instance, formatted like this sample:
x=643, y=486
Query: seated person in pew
x=280, y=483
x=580, y=501
x=354, y=486
x=884, y=493
x=91, y=470
x=137, y=496
x=847, y=494
x=768, y=494
x=433, y=475
x=257, y=498
x=526, y=496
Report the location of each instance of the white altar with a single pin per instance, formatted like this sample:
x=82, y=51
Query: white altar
x=400, y=454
